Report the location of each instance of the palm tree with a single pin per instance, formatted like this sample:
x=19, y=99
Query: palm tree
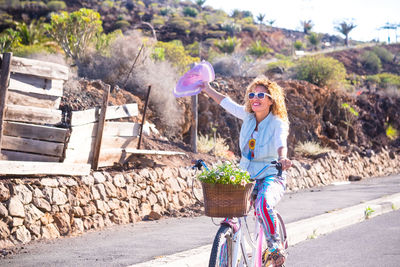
x=345, y=28
x=200, y=3
x=260, y=18
x=307, y=25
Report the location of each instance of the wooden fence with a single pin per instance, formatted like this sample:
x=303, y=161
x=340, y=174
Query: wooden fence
x=31, y=112
x=116, y=135
x=31, y=119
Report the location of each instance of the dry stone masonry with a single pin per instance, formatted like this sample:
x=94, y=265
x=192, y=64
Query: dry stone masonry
x=35, y=208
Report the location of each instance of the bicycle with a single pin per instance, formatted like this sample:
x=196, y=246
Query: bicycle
x=229, y=247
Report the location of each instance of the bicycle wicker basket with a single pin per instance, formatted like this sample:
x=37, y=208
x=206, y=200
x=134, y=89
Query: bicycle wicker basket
x=226, y=200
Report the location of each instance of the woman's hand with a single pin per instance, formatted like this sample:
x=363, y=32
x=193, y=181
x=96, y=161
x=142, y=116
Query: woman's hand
x=286, y=163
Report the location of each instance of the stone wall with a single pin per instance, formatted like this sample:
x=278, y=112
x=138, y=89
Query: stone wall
x=50, y=207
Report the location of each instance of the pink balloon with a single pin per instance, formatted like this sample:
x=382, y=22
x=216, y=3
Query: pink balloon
x=191, y=82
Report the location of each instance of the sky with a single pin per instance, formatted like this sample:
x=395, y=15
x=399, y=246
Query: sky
x=368, y=15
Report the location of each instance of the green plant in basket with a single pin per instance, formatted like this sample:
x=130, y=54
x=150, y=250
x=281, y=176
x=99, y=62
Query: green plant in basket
x=225, y=173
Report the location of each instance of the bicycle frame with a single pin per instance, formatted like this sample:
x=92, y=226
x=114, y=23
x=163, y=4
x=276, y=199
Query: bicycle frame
x=241, y=236
x=236, y=244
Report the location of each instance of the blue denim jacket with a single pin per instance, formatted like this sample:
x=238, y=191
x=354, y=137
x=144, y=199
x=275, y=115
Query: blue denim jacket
x=272, y=134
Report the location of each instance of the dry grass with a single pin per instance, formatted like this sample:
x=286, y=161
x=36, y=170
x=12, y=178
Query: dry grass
x=207, y=144
x=310, y=148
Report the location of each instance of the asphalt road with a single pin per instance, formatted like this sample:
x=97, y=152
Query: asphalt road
x=144, y=241
x=373, y=242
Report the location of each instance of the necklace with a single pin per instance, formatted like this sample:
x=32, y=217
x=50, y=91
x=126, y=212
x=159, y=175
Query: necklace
x=252, y=145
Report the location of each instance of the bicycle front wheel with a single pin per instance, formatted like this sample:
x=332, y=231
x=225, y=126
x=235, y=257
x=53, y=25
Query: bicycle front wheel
x=221, y=252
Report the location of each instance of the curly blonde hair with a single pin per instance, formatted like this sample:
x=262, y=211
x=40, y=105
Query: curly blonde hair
x=278, y=96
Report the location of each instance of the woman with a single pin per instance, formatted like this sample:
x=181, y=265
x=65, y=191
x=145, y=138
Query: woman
x=262, y=139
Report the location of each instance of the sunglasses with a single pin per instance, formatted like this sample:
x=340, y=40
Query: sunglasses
x=259, y=95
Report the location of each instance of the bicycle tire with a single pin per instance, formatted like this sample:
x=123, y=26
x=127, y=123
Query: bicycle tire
x=217, y=253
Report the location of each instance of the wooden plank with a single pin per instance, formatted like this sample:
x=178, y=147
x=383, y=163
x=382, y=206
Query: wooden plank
x=4, y=79
x=87, y=144
x=22, y=156
x=42, y=168
x=113, y=112
x=114, y=155
x=39, y=68
x=39, y=132
x=100, y=128
x=111, y=128
x=31, y=145
x=38, y=85
x=33, y=100
x=33, y=114
x=153, y=152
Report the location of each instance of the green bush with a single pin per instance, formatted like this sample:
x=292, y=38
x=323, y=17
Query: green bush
x=383, y=54
x=385, y=80
x=314, y=39
x=371, y=61
x=250, y=28
x=27, y=50
x=179, y=23
x=227, y=45
x=75, y=31
x=298, y=45
x=231, y=28
x=56, y=5
x=321, y=71
x=190, y=12
x=121, y=24
x=175, y=53
x=165, y=11
x=258, y=50
x=214, y=34
x=158, y=21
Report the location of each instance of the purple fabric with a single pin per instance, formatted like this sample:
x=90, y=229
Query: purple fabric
x=190, y=83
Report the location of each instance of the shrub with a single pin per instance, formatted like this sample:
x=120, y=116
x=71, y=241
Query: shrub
x=391, y=132
x=175, y=53
x=250, y=28
x=217, y=146
x=371, y=61
x=385, y=80
x=56, y=5
x=226, y=66
x=383, y=54
x=321, y=71
x=190, y=12
x=8, y=39
x=193, y=49
x=298, y=45
x=310, y=148
x=74, y=31
x=231, y=28
x=227, y=45
x=165, y=11
x=283, y=64
x=28, y=50
x=258, y=50
x=314, y=39
x=179, y=23
x=122, y=24
x=160, y=74
x=158, y=21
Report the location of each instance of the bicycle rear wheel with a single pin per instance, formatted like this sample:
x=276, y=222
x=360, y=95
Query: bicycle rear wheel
x=221, y=252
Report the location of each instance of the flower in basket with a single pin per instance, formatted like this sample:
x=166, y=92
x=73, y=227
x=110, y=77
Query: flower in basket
x=225, y=173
